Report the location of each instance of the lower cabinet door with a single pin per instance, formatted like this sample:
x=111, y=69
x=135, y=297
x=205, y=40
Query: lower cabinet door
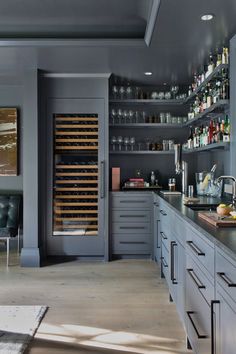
x=225, y=324
x=198, y=319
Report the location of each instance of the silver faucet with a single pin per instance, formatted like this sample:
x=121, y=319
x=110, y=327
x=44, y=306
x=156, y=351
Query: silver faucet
x=181, y=167
x=233, y=179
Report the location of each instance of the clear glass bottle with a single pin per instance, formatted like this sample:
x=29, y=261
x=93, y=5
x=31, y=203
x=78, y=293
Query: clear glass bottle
x=152, y=178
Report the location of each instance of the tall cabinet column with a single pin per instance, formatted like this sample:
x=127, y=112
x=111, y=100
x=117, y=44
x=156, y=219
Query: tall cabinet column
x=30, y=255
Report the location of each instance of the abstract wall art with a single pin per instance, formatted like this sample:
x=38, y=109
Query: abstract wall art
x=8, y=142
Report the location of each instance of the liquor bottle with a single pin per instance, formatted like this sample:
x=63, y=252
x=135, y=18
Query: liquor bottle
x=219, y=59
x=225, y=55
x=190, y=139
x=211, y=65
x=226, y=135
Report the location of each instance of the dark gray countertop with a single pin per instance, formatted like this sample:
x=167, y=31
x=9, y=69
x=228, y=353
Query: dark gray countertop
x=224, y=238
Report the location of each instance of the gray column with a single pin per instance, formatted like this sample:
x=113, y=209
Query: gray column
x=30, y=255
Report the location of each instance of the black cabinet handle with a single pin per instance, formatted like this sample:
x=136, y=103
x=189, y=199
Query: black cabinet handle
x=173, y=244
x=196, y=250
x=164, y=262
x=200, y=336
x=195, y=279
x=157, y=237
x=163, y=212
x=163, y=236
x=226, y=279
x=102, y=179
x=213, y=302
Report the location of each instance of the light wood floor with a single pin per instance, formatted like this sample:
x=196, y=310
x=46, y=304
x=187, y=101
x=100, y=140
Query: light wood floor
x=117, y=307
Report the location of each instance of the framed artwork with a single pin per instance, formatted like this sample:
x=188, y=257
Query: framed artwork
x=8, y=142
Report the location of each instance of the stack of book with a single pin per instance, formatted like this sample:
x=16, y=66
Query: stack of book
x=135, y=183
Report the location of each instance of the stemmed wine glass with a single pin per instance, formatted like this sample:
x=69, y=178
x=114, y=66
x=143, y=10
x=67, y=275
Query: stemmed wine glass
x=119, y=141
x=114, y=92
x=113, y=116
x=126, y=116
x=113, y=142
x=174, y=89
x=131, y=114
x=126, y=142
x=132, y=142
x=120, y=115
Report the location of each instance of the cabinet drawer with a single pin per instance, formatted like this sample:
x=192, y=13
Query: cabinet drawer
x=165, y=263
x=201, y=250
x=124, y=215
x=165, y=239
x=131, y=244
x=131, y=228
x=198, y=319
x=226, y=274
x=132, y=202
x=199, y=280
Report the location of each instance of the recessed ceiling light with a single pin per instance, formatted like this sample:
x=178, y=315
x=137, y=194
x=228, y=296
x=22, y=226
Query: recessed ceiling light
x=207, y=17
x=148, y=73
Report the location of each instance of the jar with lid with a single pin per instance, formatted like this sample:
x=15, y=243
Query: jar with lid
x=172, y=184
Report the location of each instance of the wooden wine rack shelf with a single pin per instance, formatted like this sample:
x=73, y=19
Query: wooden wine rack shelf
x=76, y=180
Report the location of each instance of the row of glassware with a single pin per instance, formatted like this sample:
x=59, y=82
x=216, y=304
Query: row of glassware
x=134, y=92
x=128, y=116
x=126, y=143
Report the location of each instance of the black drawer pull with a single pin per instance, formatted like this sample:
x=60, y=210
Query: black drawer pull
x=226, y=279
x=163, y=212
x=163, y=236
x=173, y=244
x=132, y=228
x=200, y=336
x=133, y=243
x=213, y=330
x=156, y=204
x=164, y=262
x=132, y=201
x=195, y=279
x=195, y=248
x=133, y=216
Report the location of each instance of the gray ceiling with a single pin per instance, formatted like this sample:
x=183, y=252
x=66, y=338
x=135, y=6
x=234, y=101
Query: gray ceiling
x=180, y=44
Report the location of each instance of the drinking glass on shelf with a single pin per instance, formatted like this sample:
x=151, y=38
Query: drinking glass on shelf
x=120, y=141
x=120, y=115
x=161, y=95
x=139, y=146
x=132, y=142
x=113, y=142
x=115, y=91
x=174, y=89
x=162, y=118
x=143, y=117
x=167, y=95
x=136, y=92
x=168, y=118
x=129, y=92
x=147, y=142
x=126, y=142
x=131, y=115
x=126, y=116
x=113, y=116
x=121, y=92
x=136, y=114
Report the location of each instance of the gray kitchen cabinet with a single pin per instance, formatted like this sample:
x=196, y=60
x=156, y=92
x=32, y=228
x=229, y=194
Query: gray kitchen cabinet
x=132, y=223
x=199, y=290
x=156, y=230
x=224, y=308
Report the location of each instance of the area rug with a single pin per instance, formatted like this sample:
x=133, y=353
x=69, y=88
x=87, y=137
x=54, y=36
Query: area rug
x=18, y=325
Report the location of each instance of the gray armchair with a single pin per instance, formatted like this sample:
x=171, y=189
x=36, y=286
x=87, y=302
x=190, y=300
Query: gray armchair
x=10, y=220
